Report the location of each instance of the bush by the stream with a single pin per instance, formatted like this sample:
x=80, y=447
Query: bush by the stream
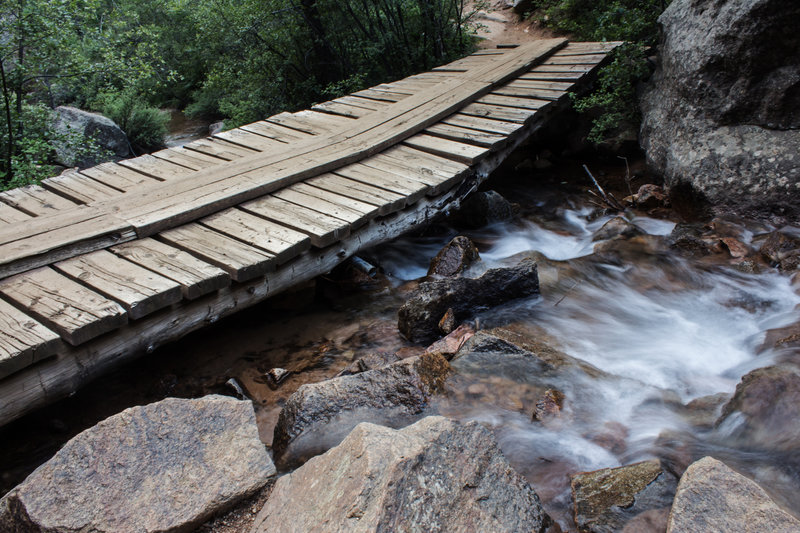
x=145, y=126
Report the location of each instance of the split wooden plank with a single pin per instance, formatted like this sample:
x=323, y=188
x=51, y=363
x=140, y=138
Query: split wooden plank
x=417, y=158
x=581, y=69
x=23, y=340
x=76, y=313
x=140, y=291
x=534, y=86
x=79, y=189
x=119, y=177
x=468, y=135
x=457, y=151
x=11, y=215
x=337, y=108
x=36, y=201
x=436, y=180
x=156, y=168
x=386, y=201
x=195, y=277
x=569, y=59
x=248, y=140
x=366, y=103
x=275, y=131
x=411, y=189
x=219, y=148
x=381, y=95
x=186, y=158
x=508, y=114
x=240, y=261
x=311, y=122
x=513, y=101
x=516, y=90
x=323, y=229
x=368, y=210
x=571, y=77
x=297, y=195
x=540, y=84
x=482, y=124
x=281, y=242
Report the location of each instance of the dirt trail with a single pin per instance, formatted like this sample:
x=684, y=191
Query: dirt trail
x=500, y=25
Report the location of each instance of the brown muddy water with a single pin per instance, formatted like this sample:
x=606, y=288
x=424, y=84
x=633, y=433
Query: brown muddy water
x=647, y=330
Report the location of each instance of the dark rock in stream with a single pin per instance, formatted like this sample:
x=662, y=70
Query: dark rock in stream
x=782, y=249
x=436, y=475
x=606, y=500
x=763, y=412
x=456, y=257
x=721, y=113
x=713, y=497
x=419, y=316
x=163, y=467
x=483, y=208
x=319, y=415
x=650, y=196
x=616, y=227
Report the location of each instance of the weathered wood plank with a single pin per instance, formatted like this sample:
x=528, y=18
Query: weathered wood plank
x=457, y=151
x=36, y=201
x=508, y=114
x=79, y=189
x=138, y=290
x=156, y=168
x=411, y=189
x=321, y=228
x=195, y=277
x=516, y=90
x=513, y=101
x=382, y=95
x=23, y=341
x=368, y=211
x=483, y=124
x=300, y=197
x=11, y=215
x=282, y=242
x=275, y=131
x=63, y=305
x=338, y=108
x=249, y=140
x=241, y=261
x=119, y=177
x=189, y=159
x=386, y=201
x=571, y=59
x=468, y=135
x=219, y=148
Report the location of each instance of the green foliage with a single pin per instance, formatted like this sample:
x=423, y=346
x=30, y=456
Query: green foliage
x=145, y=126
x=634, y=21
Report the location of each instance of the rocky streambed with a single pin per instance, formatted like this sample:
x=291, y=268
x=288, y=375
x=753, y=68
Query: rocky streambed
x=560, y=367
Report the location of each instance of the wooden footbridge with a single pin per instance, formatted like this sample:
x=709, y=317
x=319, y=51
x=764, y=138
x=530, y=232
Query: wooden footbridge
x=100, y=265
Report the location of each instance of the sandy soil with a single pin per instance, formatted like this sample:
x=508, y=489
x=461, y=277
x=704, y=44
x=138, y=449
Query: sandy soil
x=500, y=25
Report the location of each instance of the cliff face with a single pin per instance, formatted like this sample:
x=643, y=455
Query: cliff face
x=722, y=111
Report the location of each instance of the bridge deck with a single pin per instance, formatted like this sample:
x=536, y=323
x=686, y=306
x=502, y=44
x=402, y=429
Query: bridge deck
x=107, y=261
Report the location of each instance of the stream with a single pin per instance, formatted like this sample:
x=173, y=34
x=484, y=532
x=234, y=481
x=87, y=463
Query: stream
x=645, y=331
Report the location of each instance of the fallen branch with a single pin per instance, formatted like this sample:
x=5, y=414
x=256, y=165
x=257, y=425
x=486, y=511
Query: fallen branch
x=608, y=199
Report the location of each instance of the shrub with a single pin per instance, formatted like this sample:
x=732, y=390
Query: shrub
x=145, y=126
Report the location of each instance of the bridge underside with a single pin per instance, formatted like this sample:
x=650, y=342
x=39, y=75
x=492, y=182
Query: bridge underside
x=101, y=265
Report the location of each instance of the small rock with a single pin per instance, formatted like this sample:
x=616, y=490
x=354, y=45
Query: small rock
x=448, y=322
x=713, y=497
x=369, y=362
x=166, y=466
x=482, y=209
x=691, y=239
x=650, y=196
x=449, y=345
x=435, y=475
x=616, y=227
x=419, y=316
x=605, y=500
x=276, y=376
x=763, y=410
x=704, y=411
x=612, y=436
x=319, y=415
x=454, y=258
x=548, y=406
x=652, y=521
x=782, y=249
x=736, y=248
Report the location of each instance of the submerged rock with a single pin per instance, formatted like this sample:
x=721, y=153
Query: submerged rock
x=782, y=249
x=419, y=316
x=605, y=500
x=764, y=409
x=616, y=227
x=713, y=497
x=436, y=475
x=319, y=415
x=731, y=134
x=162, y=467
x=456, y=257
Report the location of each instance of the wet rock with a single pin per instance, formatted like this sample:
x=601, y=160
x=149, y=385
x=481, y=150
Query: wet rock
x=612, y=436
x=449, y=345
x=605, y=500
x=763, y=410
x=731, y=135
x=637, y=248
x=435, y=475
x=650, y=196
x=370, y=361
x=693, y=240
x=162, y=467
x=276, y=376
x=448, y=322
x=736, y=248
x=616, y=227
x=483, y=208
x=319, y=415
x=419, y=316
x=105, y=132
x=782, y=249
x=713, y=497
x=548, y=406
x=652, y=521
x=704, y=411
x=455, y=258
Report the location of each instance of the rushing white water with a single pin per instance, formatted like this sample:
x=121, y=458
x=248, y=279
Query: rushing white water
x=663, y=330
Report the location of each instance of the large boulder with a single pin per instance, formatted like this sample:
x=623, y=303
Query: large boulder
x=436, y=475
x=608, y=499
x=71, y=121
x=319, y=415
x=418, y=318
x=721, y=113
x=163, y=467
x=713, y=497
x=763, y=411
